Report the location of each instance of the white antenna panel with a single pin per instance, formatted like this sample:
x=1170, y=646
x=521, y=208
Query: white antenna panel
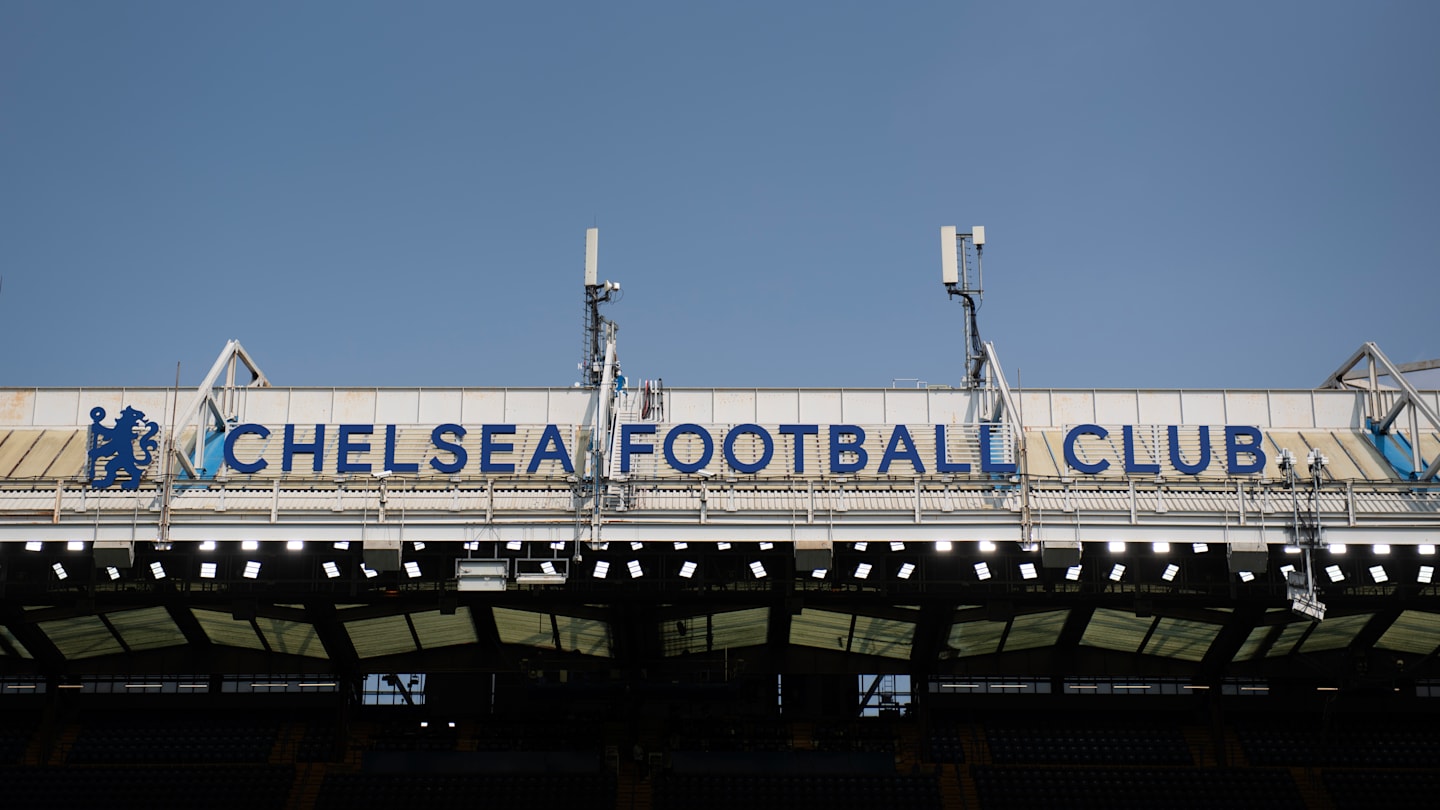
x=592, y=257
x=978, y=234
x=949, y=264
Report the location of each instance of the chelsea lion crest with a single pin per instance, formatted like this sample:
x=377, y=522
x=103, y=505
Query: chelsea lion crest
x=118, y=444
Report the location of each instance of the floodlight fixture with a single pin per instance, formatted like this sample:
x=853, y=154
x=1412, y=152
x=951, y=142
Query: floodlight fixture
x=635, y=570
x=75, y=545
x=987, y=545
x=722, y=546
x=512, y=545
x=1073, y=573
x=294, y=545
x=412, y=569
x=249, y=545
x=1292, y=549
x=1377, y=573
x=1117, y=572
x=557, y=545
x=819, y=573
x=1170, y=571
x=208, y=569
x=681, y=545
x=1334, y=572
x=370, y=573
x=1426, y=573
x=1116, y=546
x=905, y=571
x=252, y=569
x=1287, y=570
x=1160, y=547
x=1337, y=548
x=157, y=570
x=112, y=572
x=896, y=545
x=943, y=545
x=982, y=571
x=861, y=546
x=687, y=569
x=602, y=569
x=1027, y=571
x=1246, y=576
x=548, y=568
x=207, y=545
x=472, y=545
x=757, y=569
x=766, y=545
x=1200, y=548
x=636, y=545
x=1427, y=549
x=59, y=571
x=419, y=545
x=34, y=545
x=862, y=570
x=332, y=569
x=1381, y=549
x=341, y=545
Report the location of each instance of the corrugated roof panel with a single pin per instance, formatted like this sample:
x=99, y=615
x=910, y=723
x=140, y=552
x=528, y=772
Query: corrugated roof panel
x=227, y=631
x=293, y=638
x=435, y=629
x=1415, y=631
x=14, y=447
x=1031, y=630
x=1179, y=638
x=524, y=627
x=1252, y=643
x=44, y=452
x=14, y=642
x=1288, y=638
x=387, y=635
x=585, y=636
x=70, y=461
x=822, y=629
x=146, y=629
x=1115, y=630
x=81, y=637
x=975, y=638
x=1341, y=468
x=887, y=638
x=1364, y=455
x=1332, y=634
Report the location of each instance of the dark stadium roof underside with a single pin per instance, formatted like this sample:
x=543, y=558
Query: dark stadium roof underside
x=1205, y=626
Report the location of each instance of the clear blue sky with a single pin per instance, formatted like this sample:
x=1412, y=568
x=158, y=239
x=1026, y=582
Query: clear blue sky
x=1220, y=194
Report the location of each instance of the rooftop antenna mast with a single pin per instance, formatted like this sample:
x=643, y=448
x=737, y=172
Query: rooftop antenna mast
x=596, y=293
x=968, y=286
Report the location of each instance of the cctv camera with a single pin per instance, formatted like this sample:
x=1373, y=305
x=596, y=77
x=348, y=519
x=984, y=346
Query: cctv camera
x=383, y=474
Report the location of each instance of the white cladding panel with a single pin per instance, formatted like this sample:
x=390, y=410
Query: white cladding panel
x=527, y=407
x=777, y=407
x=821, y=407
x=58, y=407
x=354, y=407
x=1035, y=407
x=17, y=407
x=1159, y=408
x=484, y=407
x=441, y=407
x=689, y=406
x=1072, y=408
x=1117, y=407
x=1291, y=409
x=397, y=406
x=1247, y=408
x=1202, y=408
x=312, y=407
x=266, y=406
x=734, y=407
x=570, y=406
x=863, y=407
x=907, y=407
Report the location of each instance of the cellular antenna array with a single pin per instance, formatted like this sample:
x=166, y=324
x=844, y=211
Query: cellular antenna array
x=969, y=286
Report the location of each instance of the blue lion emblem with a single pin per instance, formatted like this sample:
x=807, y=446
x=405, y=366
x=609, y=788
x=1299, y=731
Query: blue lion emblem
x=119, y=441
